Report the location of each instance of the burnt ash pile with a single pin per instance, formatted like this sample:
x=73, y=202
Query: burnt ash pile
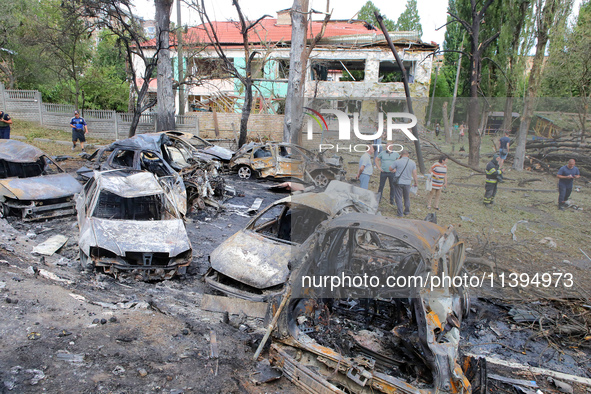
x=375, y=330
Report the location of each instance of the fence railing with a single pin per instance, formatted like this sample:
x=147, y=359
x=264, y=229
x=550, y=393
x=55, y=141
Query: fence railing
x=21, y=94
x=186, y=120
x=59, y=108
x=99, y=114
x=144, y=118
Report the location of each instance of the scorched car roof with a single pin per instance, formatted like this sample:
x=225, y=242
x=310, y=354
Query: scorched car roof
x=128, y=185
x=148, y=141
x=19, y=152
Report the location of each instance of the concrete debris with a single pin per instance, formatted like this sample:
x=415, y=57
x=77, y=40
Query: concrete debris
x=51, y=245
x=561, y=386
x=550, y=242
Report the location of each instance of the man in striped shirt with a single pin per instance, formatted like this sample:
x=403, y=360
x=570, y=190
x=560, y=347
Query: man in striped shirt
x=438, y=181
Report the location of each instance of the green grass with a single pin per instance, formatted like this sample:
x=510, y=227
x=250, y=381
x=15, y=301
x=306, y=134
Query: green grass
x=490, y=232
x=32, y=130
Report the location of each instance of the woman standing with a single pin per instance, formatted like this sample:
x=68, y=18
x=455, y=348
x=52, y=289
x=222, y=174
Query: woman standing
x=438, y=181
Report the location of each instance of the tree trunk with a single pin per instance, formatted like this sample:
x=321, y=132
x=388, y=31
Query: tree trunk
x=294, y=101
x=543, y=26
x=134, y=122
x=508, y=112
x=453, y=101
x=473, y=110
x=245, y=112
x=446, y=125
x=165, y=94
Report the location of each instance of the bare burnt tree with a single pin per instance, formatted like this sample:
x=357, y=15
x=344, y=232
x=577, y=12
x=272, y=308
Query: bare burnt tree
x=117, y=17
x=298, y=60
x=165, y=94
x=477, y=49
x=246, y=77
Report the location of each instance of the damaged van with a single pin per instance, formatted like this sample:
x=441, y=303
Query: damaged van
x=396, y=332
x=255, y=263
x=32, y=185
x=129, y=222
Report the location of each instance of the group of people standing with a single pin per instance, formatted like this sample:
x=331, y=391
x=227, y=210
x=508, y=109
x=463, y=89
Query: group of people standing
x=400, y=172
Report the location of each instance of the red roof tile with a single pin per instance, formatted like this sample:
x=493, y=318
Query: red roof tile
x=268, y=31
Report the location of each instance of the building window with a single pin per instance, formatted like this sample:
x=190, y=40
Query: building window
x=209, y=68
x=338, y=70
x=390, y=72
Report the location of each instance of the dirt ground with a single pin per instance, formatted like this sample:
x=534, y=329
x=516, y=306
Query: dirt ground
x=72, y=332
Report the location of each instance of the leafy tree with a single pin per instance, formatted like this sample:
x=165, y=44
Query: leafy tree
x=568, y=70
x=366, y=13
x=409, y=20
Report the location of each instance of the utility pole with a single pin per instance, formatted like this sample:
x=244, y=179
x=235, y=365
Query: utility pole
x=179, y=58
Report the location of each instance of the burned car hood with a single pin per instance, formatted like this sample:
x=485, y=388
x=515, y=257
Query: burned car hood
x=219, y=152
x=43, y=187
x=252, y=259
x=156, y=236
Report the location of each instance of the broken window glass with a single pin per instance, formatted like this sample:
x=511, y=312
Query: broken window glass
x=112, y=206
x=338, y=70
x=43, y=166
x=123, y=159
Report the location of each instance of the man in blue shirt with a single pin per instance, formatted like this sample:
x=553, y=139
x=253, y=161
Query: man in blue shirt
x=504, y=143
x=566, y=175
x=384, y=161
x=406, y=173
x=365, y=168
x=79, y=130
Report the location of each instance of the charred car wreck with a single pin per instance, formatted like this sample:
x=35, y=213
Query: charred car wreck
x=189, y=177
x=129, y=222
x=375, y=338
x=255, y=263
x=283, y=160
x=32, y=185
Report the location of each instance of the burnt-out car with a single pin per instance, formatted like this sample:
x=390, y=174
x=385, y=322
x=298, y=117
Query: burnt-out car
x=32, y=185
x=129, y=222
x=283, y=160
x=255, y=263
x=188, y=175
x=203, y=146
x=395, y=331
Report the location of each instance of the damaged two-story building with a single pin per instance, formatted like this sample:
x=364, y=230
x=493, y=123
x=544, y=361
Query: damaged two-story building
x=351, y=60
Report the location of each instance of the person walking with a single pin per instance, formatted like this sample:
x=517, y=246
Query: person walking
x=493, y=176
x=461, y=135
x=566, y=176
x=438, y=181
x=5, y=122
x=79, y=130
x=365, y=168
x=504, y=143
x=406, y=173
x=384, y=161
x=437, y=130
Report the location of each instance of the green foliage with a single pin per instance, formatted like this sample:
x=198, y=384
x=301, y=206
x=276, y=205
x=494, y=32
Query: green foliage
x=357, y=74
x=409, y=20
x=366, y=13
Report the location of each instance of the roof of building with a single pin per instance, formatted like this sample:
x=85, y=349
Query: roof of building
x=337, y=32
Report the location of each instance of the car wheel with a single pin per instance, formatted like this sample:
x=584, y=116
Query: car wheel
x=85, y=262
x=4, y=210
x=321, y=179
x=244, y=172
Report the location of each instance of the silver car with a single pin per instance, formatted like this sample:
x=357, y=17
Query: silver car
x=129, y=222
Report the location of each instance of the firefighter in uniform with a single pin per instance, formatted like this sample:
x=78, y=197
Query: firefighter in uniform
x=493, y=176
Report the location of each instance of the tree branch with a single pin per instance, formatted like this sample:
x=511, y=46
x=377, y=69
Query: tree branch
x=463, y=22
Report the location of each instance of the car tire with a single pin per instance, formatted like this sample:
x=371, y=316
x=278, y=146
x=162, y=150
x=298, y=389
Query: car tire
x=245, y=172
x=85, y=263
x=321, y=180
x=4, y=210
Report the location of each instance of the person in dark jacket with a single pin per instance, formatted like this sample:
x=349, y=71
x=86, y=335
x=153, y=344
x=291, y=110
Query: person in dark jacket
x=494, y=175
